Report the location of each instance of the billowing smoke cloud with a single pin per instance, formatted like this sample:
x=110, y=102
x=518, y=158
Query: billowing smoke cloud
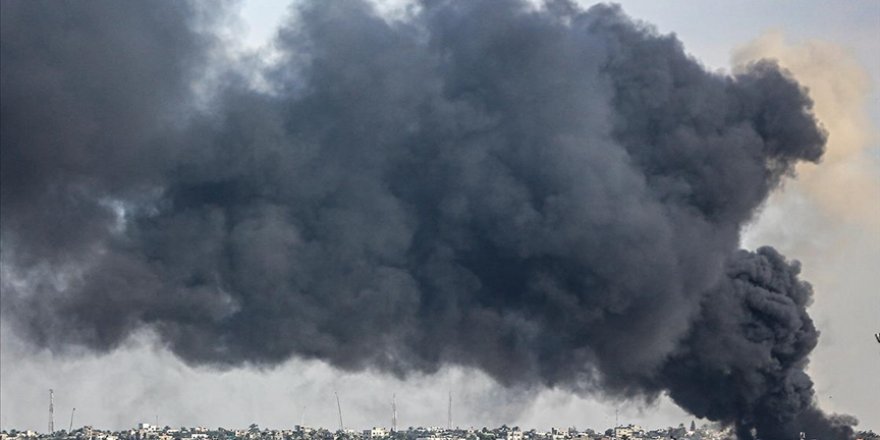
x=839, y=86
x=838, y=227
x=748, y=351
x=552, y=196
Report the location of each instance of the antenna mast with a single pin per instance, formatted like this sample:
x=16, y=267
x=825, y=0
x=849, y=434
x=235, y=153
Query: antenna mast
x=339, y=407
x=51, y=412
x=393, y=412
x=70, y=428
x=449, y=413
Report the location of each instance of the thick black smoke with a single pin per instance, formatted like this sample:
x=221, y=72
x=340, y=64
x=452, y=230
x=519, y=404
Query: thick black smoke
x=553, y=196
x=747, y=353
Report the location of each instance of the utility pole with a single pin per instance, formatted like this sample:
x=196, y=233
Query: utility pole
x=393, y=412
x=339, y=407
x=70, y=428
x=51, y=412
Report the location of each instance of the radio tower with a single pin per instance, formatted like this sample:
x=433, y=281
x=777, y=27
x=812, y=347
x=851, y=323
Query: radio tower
x=393, y=412
x=449, y=413
x=339, y=407
x=51, y=412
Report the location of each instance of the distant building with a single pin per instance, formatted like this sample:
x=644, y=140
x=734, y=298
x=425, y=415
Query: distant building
x=558, y=434
x=629, y=431
x=514, y=434
x=375, y=433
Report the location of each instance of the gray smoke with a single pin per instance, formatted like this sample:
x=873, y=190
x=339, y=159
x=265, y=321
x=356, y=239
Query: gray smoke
x=553, y=196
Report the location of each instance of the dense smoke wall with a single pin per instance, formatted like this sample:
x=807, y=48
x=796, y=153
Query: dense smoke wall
x=553, y=196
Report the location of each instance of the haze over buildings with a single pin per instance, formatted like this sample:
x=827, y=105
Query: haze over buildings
x=147, y=431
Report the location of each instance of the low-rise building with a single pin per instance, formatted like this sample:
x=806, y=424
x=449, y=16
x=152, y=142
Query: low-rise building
x=375, y=433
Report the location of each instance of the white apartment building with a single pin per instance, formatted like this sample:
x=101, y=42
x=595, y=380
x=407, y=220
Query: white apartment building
x=513, y=434
x=375, y=433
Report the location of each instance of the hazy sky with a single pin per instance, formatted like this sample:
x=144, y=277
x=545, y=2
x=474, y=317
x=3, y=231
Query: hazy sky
x=833, y=48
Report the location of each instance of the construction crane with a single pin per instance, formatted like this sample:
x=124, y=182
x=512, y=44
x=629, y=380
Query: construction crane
x=51, y=411
x=70, y=428
x=339, y=408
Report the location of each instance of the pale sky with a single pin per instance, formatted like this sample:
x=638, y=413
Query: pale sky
x=838, y=244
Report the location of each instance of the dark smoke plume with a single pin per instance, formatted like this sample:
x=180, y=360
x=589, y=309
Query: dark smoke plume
x=553, y=196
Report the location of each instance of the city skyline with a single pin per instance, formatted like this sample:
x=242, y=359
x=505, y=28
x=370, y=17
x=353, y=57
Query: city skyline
x=618, y=431
x=392, y=341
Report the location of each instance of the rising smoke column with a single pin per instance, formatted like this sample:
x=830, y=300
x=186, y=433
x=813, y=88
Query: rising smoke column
x=553, y=196
x=747, y=351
